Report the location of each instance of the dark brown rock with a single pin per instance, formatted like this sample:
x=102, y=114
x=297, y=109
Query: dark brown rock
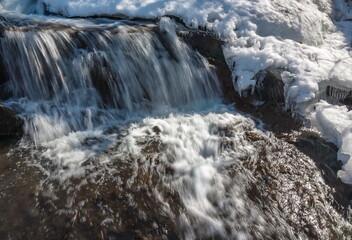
x=269, y=92
x=324, y=154
x=205, y=43
x=10, y=123
x=2, y=29
x=3, y=78
x=269, y=87
x=2, y=23
x=210, y=47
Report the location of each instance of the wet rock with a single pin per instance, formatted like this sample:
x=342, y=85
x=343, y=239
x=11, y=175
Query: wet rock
x=268, y=101
x=210, y=47
x=318, y=149
x=2, y=29
x=3, y=78
x=253, y=136
x=168, y=46
x=269, y=87
x=206, y=43
x=324, y=155
x=10, y=123
x=269, y=91
x=102, y=79
x=156, y=129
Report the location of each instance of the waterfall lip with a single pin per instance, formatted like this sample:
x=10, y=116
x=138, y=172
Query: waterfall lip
x=65, y=75
x=11, y=20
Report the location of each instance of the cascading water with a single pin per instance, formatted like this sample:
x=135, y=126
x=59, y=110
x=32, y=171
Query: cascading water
x=84, y=72
x=126, y=126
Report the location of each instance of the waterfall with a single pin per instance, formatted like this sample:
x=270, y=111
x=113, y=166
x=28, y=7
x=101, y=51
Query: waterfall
x=126, y=136
x=78, y=79
x=46, y=64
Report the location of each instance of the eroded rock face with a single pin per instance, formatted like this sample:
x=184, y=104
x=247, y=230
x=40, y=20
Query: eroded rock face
x=10, y=123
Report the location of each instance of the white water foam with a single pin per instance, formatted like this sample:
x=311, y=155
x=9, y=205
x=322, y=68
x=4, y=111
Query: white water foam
x=207, y=153
x=74, y=87
x=308, y=41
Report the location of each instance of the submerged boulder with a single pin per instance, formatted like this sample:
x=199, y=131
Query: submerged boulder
x=10, y=123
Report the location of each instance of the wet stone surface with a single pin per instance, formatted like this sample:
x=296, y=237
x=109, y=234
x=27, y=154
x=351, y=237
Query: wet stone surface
x=10, y=123
x=101, y=205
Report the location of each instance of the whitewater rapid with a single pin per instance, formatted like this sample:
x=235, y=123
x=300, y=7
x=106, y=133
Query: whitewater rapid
x=126, y=125
x=307, y=43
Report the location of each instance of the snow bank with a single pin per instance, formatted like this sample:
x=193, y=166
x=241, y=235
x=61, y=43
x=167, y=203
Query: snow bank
x=335, y=123
x=308, y=41
x=296, y=36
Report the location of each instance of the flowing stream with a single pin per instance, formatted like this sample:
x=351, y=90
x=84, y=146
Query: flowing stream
x=127, y=137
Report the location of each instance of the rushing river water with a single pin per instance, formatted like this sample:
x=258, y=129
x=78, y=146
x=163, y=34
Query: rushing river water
x=127, y=137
